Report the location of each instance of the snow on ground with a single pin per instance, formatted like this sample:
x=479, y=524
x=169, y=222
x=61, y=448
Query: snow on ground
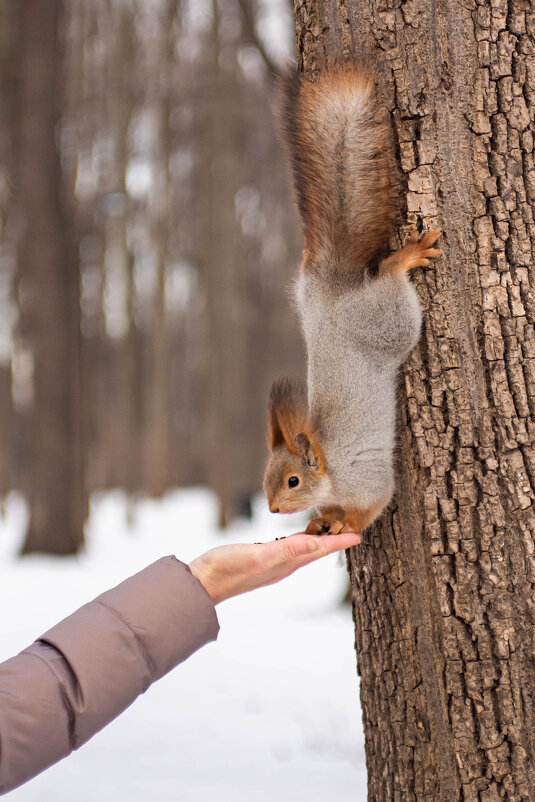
x=268, y=712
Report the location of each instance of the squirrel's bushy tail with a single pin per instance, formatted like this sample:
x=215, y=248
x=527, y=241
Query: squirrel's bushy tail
x=339, y=140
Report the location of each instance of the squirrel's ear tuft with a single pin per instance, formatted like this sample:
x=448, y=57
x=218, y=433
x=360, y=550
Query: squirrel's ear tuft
x=275, y=436
x=309, y=450
x=287, y=413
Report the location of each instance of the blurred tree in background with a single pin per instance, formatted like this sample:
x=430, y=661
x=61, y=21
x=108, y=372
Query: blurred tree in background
x=148, y=238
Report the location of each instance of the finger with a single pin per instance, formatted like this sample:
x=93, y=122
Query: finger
x=339, y=542
x=326, y=546
x=295, y=551
x=315, y=546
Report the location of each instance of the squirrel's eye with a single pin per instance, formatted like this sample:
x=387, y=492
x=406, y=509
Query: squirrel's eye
x=293, y=481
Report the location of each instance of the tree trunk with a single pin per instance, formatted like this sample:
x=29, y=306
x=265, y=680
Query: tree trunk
x=223, y=281
x=158, y=445
x=50, y=291
x=9, y=23
x=125, y=429
x=442, y=585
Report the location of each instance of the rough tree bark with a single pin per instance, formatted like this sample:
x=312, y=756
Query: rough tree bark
x=443, y=586
x=50, y=308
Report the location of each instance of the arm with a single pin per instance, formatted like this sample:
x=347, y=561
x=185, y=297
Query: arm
x=87, y=669
x=83, y=672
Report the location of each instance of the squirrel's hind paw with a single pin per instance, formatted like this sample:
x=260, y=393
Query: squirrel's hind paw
x=416, y=253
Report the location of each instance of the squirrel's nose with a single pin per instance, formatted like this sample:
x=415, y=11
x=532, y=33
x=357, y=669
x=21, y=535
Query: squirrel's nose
x=273, y=509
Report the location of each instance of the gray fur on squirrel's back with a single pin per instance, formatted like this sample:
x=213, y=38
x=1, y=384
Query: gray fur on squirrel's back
x=356, y=342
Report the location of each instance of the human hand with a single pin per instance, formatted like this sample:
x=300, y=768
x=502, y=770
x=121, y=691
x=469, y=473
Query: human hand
x=230, y=570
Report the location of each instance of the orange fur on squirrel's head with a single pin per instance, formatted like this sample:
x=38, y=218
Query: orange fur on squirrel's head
x=295, y=477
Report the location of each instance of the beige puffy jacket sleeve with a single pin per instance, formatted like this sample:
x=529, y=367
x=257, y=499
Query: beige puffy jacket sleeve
x=83, y=672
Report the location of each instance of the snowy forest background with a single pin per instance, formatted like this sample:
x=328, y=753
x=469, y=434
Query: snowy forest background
x=148, y=240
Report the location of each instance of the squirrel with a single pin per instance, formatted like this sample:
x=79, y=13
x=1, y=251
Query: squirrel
x=332, y=441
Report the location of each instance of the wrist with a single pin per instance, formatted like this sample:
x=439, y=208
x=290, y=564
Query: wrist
x=202, y=573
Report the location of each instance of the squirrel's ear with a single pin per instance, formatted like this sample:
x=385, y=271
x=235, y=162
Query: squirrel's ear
x=309, y=450
x=287, y=412
x=275, y=436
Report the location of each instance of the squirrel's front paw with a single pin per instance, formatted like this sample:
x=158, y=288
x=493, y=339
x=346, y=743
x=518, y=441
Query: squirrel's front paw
x=323, y=526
